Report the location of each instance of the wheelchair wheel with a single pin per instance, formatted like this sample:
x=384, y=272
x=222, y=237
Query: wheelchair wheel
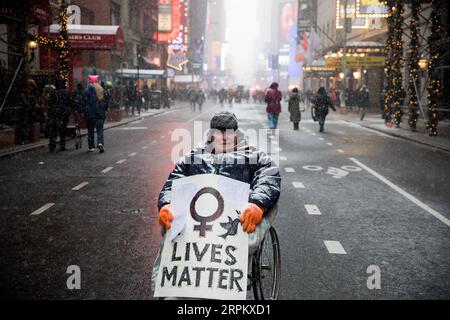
x=266, y=268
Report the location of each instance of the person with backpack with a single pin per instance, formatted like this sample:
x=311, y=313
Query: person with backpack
x=321, y=104
x=95, y=114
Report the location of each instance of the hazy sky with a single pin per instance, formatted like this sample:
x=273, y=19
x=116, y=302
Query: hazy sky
x=243, y=37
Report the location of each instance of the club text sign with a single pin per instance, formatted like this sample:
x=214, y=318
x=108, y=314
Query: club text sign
x=208, y=256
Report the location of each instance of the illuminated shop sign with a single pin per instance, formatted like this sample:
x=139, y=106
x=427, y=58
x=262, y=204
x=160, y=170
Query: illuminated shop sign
x=169, y=20
x=351, y=13
x=371, y=9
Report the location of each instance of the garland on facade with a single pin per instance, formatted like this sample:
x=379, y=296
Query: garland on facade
x=388, y=71
x=413, y=63
x=60, y=44
x=434, y=86
x=398, y=93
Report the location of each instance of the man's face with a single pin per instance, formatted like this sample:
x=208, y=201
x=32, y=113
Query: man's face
x=224, y=141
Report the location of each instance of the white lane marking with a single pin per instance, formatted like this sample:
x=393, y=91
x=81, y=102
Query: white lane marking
x=144, y=147
x=42, y=209
x=312, y=168
x=283, y=158
x=408, y=196
x=351, y=168
x=340, y=150
x=81, y=185
x=154, y=141
x=313, y=134
x=312, y=210
x=298, y=185
x=321, y=139
x=132, y=154
x=162, y=137
x=334, y=247
x=289, y=169
x=121, y=161
x=107, y=169
x=329, y=143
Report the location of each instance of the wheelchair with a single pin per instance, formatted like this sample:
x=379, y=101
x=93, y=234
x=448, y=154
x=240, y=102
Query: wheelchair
x=265, y=274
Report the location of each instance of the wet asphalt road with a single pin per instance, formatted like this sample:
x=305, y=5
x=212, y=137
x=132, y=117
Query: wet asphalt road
x=109, y=229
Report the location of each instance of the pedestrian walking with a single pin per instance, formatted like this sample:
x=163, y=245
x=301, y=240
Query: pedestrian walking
x=193, y=98
x=294, y=108
x=363, y=100
x=273, y=99
x=146, y=95
x=58, y=115
x=131, y=95
x=201, y=98
x=95, y=114
x=321, y=104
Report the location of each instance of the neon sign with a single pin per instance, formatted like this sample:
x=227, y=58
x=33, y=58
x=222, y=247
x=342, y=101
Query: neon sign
x=165, y=20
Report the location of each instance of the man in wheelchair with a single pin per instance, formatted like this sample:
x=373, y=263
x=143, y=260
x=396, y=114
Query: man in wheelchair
x=227, y=153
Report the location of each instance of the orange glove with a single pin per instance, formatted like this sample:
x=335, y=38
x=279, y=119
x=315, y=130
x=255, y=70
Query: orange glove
x=251, y=216
x=165, y=216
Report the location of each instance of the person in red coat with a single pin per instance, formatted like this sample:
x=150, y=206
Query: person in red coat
x=273, y=109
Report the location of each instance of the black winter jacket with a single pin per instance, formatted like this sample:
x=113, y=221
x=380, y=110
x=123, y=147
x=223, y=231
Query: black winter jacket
x=244, y=164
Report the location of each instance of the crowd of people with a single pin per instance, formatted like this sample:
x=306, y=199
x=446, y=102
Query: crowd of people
x=52, y=107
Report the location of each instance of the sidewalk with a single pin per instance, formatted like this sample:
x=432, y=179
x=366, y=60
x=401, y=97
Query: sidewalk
x=8, y=147
x=374, y=121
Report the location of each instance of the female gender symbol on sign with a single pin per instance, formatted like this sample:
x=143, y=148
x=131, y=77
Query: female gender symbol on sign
x=203, y=227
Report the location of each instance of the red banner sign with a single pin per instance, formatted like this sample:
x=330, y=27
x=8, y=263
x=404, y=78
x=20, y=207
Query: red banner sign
x=176, y=18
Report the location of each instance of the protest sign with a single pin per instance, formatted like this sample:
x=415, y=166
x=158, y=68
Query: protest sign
x=205, y=254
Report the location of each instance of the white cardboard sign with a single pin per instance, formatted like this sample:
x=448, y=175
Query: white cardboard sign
x=205, y=254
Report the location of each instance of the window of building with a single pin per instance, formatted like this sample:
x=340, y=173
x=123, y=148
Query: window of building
x=134, y=15
x=115, y=14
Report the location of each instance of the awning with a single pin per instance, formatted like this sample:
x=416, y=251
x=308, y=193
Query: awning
x=93, y=37
x=143, y=73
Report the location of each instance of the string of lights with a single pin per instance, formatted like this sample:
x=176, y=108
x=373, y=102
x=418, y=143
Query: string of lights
x=398, y=93
x=388, y=70
x=434, y=86
x=61, y=45
x=413, y=63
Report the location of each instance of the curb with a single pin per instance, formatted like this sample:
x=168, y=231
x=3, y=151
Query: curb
x=13, y=152
x=445, y=149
